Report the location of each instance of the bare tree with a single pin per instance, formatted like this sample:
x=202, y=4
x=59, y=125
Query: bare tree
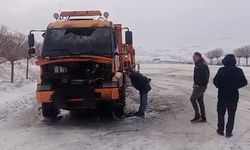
x=210, y=56
x=3, y=33
x=238, y=54
x=27, y=57
x=246, y=53
x=38, y=47
x=13, y=49
x=217, y=53
x=2, y=60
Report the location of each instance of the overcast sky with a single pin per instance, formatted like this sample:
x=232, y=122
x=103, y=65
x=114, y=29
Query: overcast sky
x=157, y=24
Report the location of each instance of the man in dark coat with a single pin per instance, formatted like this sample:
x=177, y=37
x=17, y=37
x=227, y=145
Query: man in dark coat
x=201, y=79
x=141, y=83
x=228, y=80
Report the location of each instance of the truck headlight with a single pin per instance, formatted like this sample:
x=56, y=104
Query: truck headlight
x=109, y=84
x=60, y=69
x=44, y=87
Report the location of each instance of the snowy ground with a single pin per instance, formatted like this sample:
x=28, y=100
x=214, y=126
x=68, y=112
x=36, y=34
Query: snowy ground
x=166, y=125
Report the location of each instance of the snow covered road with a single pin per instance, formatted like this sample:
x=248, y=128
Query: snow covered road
x=166, y=125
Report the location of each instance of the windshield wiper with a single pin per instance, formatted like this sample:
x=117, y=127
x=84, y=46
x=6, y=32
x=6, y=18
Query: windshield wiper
x=75, y=53
x=57, y=49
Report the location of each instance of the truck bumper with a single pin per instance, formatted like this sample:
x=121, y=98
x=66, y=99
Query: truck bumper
x=83, y=97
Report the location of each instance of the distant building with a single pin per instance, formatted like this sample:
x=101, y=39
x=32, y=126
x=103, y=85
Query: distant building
x=156, y=60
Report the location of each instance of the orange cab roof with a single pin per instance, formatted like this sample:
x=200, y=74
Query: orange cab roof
x=80, y=23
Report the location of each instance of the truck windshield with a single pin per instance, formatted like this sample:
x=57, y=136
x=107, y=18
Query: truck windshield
x=72, y=41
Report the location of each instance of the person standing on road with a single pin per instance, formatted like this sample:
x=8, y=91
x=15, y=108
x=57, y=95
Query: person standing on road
x=228, y=80
x=201, y=79
x=141, y=83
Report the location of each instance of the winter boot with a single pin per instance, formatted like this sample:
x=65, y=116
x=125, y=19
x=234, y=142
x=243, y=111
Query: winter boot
x=203, y=119
x=196, y=118
x=228, y=135
x=220, y=133
x=139, y=114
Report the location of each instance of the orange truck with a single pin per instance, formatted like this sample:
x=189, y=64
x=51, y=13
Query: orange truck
x=82, y=63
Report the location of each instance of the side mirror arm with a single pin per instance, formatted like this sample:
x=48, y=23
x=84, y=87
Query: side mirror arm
x=121, y=54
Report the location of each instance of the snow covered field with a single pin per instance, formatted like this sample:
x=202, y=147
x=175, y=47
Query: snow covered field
x=166, y=125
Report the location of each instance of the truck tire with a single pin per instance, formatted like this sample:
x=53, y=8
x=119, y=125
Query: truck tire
x=118, y=107
x=118, y=110
x=122, y=92
x=49, y=111
x=104, y=109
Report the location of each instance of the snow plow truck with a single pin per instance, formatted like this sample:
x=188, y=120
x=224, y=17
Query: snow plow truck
x=82, y=63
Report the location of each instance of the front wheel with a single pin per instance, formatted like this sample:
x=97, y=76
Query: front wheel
x=118, y=107
x=118, y=110
x=49, y=111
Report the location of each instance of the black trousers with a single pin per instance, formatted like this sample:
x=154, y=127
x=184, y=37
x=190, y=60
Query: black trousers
x=231, y=108
x=197, y=100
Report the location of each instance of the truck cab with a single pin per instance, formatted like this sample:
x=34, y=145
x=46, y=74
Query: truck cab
x=82, y=63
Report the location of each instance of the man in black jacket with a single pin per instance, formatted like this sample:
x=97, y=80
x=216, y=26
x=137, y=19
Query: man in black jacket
x=201, y=79
x=141, y=83
x=228, y=80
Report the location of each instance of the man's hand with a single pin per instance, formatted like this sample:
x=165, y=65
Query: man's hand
x=195, y=86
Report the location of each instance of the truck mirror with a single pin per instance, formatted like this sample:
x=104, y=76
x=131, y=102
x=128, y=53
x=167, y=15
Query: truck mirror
x=31, y=40
x=120, y=54
x=32, y=51
x=129, y=37
x=125, y=49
